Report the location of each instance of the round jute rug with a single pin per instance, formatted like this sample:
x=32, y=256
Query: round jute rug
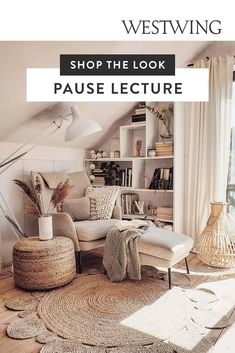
x=92, y=309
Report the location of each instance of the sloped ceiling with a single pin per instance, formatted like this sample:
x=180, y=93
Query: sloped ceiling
x=19, y=119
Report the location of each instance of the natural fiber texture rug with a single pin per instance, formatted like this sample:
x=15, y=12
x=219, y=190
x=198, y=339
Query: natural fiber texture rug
x=93, y=315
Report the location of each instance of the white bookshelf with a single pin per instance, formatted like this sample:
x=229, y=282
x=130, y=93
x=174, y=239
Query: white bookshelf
x=145, y=165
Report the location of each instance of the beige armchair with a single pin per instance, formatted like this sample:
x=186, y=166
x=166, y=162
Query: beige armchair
x=86, y=235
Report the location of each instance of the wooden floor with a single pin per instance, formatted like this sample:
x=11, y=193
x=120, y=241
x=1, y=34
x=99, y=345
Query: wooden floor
x=91, y=260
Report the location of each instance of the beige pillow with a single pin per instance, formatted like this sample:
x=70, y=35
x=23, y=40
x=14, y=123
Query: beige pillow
x=102, y=201
x=78, y=209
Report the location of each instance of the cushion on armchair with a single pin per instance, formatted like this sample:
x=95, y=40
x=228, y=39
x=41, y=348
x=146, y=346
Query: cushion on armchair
x=90, y=231
x=78, y=209
x=80, y=183
x=102, y=201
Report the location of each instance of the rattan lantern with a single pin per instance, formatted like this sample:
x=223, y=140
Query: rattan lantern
x=216, y=244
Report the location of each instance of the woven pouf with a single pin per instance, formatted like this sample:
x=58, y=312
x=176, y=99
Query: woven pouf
x=42, y=264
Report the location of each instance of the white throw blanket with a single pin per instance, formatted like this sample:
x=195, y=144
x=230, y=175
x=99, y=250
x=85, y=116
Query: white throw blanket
x=121, y=255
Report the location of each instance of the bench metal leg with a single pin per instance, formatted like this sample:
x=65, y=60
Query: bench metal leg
x=169, y=277
x=78, y=261
x=186, y=264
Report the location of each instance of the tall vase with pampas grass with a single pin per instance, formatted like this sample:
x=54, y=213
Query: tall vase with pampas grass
x=37, y=205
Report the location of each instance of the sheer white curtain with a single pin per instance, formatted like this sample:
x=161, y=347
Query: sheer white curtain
x=207, y=135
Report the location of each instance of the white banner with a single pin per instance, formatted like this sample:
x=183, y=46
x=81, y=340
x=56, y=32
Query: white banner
x=103, y=20
x=46, y=85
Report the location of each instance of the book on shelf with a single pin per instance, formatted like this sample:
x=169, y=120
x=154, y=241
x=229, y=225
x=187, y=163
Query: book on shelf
x=140, y=111
x=164, y=212
x=164, y=149
x=162, y=179
x=138, y=118
x=128, y=202
x=125, y=177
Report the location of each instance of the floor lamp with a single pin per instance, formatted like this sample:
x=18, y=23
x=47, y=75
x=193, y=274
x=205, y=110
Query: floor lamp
x=79, y=127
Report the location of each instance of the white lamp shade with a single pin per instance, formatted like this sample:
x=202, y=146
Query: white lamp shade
x=80, y=127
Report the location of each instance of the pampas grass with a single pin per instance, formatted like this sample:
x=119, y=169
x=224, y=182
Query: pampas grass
x=37, y=207
x=59, y=194
x=30, y=194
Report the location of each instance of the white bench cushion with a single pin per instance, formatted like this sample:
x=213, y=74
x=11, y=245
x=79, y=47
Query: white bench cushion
x=164, y=244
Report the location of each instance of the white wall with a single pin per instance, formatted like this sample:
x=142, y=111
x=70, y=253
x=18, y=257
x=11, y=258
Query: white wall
x=217, y=49
x=42, y=158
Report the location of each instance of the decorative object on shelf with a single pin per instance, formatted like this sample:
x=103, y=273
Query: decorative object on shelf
x=146, y=182
x=111, y=173
x=151, y=152
x=148, y=208
x=164, y=149
x=115, y=147
x=37, y=206
x=138, y=146
x=165, y=114
x=116, y=154
x=54, y=260
x=139, y=207
x=97, y=154
x=216, y=244
x=78, y=127
x=92, y=166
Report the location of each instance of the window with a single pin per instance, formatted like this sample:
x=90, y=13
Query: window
x=231, y=171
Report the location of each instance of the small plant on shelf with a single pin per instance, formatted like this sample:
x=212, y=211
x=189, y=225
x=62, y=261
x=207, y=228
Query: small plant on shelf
x=165, y=114
x=111, y=170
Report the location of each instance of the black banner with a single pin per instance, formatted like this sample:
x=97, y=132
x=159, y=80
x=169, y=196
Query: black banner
x=117, y=65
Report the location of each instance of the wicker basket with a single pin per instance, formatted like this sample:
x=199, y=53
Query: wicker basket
x=216, y=244
x=43, y=264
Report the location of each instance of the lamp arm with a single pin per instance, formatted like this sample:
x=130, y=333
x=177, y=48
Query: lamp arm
x=26, y=143
x=9, y=163
x=11, y=160
x=58, y=123
x=12, y=215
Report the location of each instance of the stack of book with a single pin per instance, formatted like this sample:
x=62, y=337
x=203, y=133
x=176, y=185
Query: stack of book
x=99, y=177
x=140, y=114
x=165, y=213
x=125, y=177
x=162, y=179
x=164, y=149
x=128, y=203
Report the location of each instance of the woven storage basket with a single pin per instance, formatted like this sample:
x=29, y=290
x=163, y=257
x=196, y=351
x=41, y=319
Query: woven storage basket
x=43, y=264
x=216, y=244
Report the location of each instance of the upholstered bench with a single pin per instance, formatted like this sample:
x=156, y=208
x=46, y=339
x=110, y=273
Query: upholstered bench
x=164, y=248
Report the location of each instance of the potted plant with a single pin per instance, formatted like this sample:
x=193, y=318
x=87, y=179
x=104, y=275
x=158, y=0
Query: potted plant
x=112, y=171
x=165, y=114
x=37, y=206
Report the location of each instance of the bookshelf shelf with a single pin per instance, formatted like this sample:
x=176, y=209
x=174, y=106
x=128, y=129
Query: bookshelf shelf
x=133, y=126
x=127, y=159
x=145, y=216
x=143, y=167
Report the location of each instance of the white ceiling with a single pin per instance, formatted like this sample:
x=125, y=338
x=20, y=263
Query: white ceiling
x=19, y=119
